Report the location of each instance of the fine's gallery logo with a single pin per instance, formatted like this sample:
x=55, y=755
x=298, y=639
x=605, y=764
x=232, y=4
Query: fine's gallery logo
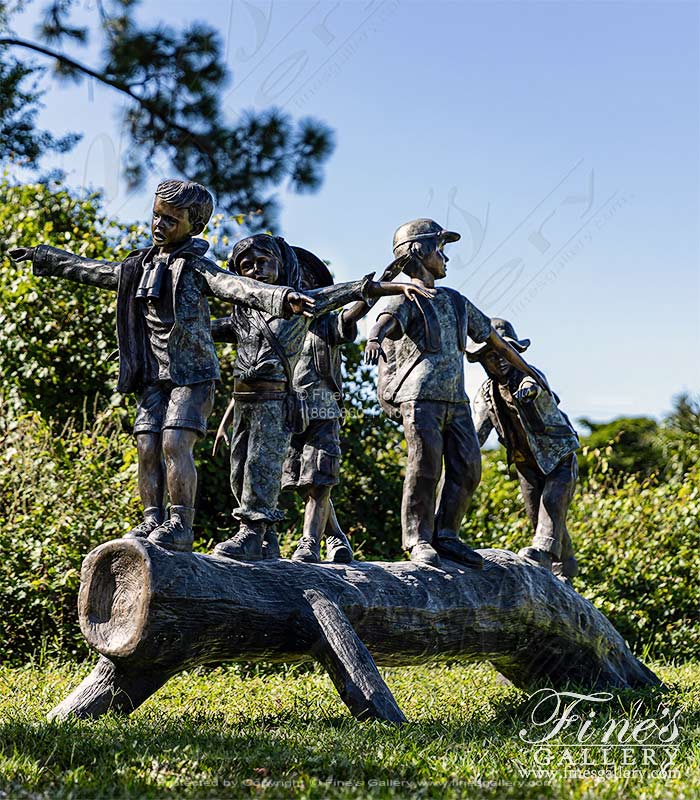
x=589, y=735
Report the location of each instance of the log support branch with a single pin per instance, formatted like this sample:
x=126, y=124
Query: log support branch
x=349, y=663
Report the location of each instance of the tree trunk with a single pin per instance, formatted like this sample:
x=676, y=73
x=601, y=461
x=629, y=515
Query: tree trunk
x=152, y=613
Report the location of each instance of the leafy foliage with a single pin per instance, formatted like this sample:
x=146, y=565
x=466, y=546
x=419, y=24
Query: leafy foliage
x=56, y=335
x=635, y=444
x=173, y=82
x=62, y=490
x=22, y=142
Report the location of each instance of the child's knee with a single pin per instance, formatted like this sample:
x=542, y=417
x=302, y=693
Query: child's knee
x=178, y=442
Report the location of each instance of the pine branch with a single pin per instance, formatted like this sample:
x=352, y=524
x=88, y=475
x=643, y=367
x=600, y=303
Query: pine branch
x=124, y=88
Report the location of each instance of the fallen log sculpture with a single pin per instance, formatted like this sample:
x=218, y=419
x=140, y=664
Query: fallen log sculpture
x=152, y=613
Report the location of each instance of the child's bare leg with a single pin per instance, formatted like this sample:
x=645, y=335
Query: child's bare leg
x=151, y=483
x=338, y=549
x=181, y=476
x=181, y=473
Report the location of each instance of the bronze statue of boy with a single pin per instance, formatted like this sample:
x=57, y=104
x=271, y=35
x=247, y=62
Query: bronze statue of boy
x=541, y=442
x=166, y=354
x=312, y=466
x=420, y=349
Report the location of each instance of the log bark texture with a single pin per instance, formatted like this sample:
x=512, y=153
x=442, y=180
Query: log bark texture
x=151, y=613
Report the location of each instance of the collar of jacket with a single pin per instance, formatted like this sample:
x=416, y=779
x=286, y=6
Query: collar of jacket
x=196, y=246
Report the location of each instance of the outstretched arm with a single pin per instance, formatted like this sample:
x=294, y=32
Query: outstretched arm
x=280, y=301
x=409, y=290
x=50, y=261
x=357, y=311
x=365, y=290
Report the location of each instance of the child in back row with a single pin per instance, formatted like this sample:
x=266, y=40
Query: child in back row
x=312, y=466
x=265, y=408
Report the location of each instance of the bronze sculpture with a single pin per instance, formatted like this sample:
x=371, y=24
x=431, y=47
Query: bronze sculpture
x=421, y=381
x=166, y=353
x=152, y=613
x=541, y=442
x=265, y=410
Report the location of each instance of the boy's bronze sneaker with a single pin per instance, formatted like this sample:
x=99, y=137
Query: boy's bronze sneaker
x=246, y=545
x=541, y=557
x=425, y=553
x=454, y=549
x=308, y=550
x=338, y=550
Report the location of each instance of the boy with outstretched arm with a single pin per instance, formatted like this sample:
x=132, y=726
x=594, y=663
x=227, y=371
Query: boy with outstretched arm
x=420, y=350
x=166, y=354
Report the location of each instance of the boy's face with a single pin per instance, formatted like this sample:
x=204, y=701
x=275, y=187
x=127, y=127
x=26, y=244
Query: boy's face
x=260, y=266
x=436, y=261
x=496, y=366
x=170, y=225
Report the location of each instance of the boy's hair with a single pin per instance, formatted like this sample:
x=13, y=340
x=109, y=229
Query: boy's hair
x=413, y=254
x=190, y=195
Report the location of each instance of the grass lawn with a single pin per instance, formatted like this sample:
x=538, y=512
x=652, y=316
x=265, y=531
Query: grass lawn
x=232, y=733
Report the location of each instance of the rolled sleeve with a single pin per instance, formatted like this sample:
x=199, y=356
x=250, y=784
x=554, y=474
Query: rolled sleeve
x=279, y=301
x=342, y=330
x=364, y=288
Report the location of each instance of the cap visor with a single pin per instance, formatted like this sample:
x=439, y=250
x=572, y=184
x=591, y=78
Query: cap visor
x=450, y=236
x=520, y=345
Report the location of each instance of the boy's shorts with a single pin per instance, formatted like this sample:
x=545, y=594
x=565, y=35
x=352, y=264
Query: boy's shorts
x=163, y=405
x=313, y=458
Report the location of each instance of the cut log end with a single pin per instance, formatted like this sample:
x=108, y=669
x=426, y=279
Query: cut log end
x=114, y=597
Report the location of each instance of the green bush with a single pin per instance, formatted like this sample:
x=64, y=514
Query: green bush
x=635, y=442
x=62, y=491
x=56, y=335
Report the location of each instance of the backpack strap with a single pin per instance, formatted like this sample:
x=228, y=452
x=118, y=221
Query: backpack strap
x=297, y=410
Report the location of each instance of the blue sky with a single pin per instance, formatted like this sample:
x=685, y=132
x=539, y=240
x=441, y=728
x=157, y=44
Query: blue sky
x=560, y=138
